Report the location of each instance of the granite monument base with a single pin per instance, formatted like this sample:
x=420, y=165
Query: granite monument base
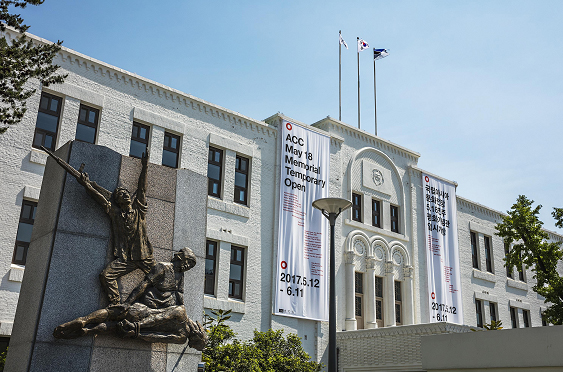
x=69, y=248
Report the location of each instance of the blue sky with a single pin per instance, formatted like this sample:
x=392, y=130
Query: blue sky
x=476, y=87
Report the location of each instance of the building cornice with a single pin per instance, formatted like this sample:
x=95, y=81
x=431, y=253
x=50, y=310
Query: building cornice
x=125, y=77
x=332, y=125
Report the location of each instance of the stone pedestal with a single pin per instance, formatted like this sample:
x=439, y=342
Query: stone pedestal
x=69, y=249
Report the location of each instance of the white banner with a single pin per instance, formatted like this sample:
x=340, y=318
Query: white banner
x=302, y=260
x=442, y=254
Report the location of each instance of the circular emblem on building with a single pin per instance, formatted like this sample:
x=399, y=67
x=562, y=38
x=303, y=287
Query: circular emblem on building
x=359, y=247
x=397, y=258
x=378, y=253
x=377, y=177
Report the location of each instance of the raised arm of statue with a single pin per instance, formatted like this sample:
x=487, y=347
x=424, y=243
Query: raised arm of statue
x=101, y=195
x=84, y=180
x=142, y=187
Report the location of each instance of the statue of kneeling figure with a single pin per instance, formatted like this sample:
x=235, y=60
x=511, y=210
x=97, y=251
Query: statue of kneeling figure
x=153, y=312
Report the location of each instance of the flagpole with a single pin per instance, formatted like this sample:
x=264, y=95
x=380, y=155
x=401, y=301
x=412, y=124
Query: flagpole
x=339, y=76
x=358, y=52
x=374, y=95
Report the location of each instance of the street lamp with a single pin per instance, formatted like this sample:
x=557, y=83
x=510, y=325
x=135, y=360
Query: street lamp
x=331, y=209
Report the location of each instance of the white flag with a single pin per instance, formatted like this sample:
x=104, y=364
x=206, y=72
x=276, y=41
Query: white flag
x=362, y=45
x=342, y=41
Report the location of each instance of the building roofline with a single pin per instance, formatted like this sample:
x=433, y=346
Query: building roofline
x=364, y=133
x=74, y=53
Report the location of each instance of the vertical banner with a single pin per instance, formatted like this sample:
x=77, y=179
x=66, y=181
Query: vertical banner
x=302, y=260
x=442, y=254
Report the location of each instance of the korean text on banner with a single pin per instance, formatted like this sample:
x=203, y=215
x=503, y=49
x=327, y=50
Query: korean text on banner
x=302, y=260
x=442, y=253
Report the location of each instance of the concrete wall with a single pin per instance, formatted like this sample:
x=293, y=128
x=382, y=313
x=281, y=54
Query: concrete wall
x=532, y=349
x=388, y=349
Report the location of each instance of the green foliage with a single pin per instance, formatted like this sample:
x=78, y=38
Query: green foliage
x=21, y=61
x=533, y=250
x=3, y=359
x=492, y=326
x=268, y=351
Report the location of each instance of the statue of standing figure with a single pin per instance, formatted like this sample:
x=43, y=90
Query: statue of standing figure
x=154, y=310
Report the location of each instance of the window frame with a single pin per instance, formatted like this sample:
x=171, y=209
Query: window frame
x=357, y=207
x=398, y=302
x=213, y=276
x=394, y=219
x=379, y=320
x=87, y=123
x=144, y=141
x=213, y=181
x=29, y=221
x=359, y=299
x=240, y=263
x=475, y=261
x=526, y=318
x=239, y=160
x=479, y=313
x=175, y=151
x=488, y=254
x=376, y=213
x=509, y=270
x=493, y=311
x=56, y=113
x=514, y=317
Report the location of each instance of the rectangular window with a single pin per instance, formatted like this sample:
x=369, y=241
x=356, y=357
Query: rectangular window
x=171, y=150
x=23, y=237
x=241, y=180
x=508, y=269
x=47, y=123
x=474, y=250
x=526, y=316
x=236, y=274
x=210, y=267
x=521, y=272
x=357, y=207
x=359, y=289
x=139, y=140
x=375, y=213
x=398, y=303
x=479, y=313
x=379, y=301
x=493, y=311
x=488, y=254
x=514, y=317
x=394, y=218
x=214, y=172
x=87, y=125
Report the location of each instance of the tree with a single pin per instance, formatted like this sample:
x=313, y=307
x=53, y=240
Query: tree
x=532, y=249
x=268, y=351
x=21, y=60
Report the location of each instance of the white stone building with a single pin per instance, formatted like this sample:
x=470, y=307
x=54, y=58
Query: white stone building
x=112, y=107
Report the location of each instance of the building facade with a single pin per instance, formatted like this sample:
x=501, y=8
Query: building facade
x=380, y=242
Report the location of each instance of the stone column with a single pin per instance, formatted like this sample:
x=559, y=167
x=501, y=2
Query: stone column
x=408, y=303
x=350, y=323
x=389, y=291
x=370, y=321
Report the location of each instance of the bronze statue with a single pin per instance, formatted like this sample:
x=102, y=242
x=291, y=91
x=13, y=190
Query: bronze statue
x=154, y=311
x=131, y=246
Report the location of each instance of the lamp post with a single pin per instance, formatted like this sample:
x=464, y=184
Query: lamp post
x=331, y=209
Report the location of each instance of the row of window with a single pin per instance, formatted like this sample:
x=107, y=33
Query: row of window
x=376, y=221
x=47, y=125
x=359, y=299
x=489, y=256
x=236, y=271
x=215, y=175
x=493, y=311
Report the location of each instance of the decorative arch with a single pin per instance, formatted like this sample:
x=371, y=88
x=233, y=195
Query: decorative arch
x=399, y=247
x=357, y=236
